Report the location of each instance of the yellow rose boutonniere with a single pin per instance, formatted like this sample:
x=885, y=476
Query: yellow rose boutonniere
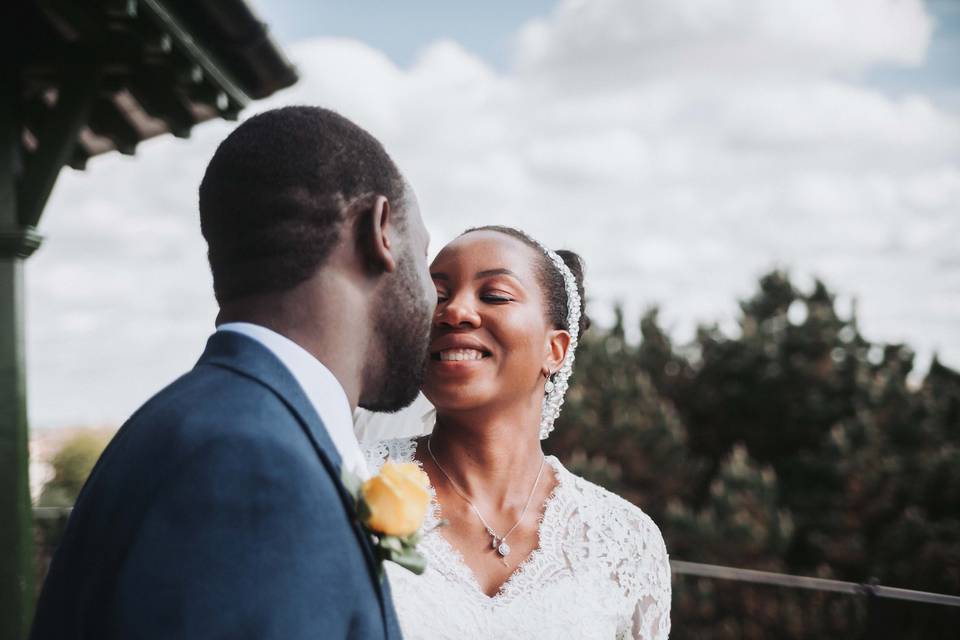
x=391, y=506
x=397, y=499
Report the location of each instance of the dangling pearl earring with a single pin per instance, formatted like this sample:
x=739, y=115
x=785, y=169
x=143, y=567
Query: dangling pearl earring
x=549, y=386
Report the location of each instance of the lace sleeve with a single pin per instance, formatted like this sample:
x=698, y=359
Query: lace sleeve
x=648, y=582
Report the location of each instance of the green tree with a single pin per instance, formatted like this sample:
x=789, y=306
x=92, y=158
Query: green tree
x=616, y=430
x=71, y=466
x=792, y=444
x=741, y=523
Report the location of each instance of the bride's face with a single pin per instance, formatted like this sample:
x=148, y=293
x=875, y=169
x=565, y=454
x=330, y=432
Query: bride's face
x=490, y=339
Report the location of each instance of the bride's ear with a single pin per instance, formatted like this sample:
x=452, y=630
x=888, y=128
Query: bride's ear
x=375, y=232
x=558, y=341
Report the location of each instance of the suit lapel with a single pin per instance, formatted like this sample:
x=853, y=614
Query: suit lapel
x=249, y=358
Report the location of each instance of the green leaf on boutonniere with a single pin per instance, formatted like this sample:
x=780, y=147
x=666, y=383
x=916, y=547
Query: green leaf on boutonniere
x=411, y=560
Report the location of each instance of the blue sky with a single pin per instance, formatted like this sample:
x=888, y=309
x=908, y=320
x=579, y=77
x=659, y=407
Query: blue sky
x=940, y=74
x=487, y=29
x=402, y=29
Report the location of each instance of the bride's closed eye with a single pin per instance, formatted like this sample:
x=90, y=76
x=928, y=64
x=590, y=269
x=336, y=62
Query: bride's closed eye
x=490, y=297
x=496, y=297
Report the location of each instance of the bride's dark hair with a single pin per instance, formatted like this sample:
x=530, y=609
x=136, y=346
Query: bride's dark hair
x=550, y=278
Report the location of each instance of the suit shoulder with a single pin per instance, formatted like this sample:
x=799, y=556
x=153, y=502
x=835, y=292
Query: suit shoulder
x=204, y=409
x=210, y=401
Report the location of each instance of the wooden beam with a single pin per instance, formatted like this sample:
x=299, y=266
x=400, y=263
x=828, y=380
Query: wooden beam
x=123, y=9
x=73, y=20
x=56, y=143
x=163, y=101
x=78, y=159
x=108, y=121
x=183, y=40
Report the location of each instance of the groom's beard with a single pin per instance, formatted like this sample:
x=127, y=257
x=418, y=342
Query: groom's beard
x=402, y=319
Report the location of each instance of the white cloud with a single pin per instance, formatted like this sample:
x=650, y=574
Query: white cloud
x=654, y=38
x=682, y=147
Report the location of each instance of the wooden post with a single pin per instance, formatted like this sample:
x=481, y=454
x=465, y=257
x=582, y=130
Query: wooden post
x=24, y=189
x=16, y=526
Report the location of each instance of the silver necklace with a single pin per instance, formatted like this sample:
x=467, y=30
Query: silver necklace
x=497, y=541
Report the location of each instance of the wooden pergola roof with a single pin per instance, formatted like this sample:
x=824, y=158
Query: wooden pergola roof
x=162, y=66
x=126, y=70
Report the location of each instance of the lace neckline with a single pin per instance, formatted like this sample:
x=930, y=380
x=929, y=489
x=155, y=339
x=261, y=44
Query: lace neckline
x=600, y=569
x=457, y=564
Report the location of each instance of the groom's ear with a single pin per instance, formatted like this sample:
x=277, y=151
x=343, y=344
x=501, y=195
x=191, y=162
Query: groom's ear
x=376, y=234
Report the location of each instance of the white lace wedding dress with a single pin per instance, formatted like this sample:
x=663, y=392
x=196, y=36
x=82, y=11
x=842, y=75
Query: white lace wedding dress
x=600, y=571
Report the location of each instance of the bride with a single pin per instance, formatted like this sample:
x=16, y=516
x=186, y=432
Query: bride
x=529, y=550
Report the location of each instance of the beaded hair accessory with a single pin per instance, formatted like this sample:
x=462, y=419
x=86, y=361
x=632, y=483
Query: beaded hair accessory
x=558, y=383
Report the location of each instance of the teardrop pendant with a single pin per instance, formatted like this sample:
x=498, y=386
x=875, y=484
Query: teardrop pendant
x=503, y=549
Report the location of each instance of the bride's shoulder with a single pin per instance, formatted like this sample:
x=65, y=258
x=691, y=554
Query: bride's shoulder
x=614, y=516
x=619, y=536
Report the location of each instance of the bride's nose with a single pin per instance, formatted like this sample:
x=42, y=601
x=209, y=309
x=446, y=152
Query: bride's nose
x=458, y=311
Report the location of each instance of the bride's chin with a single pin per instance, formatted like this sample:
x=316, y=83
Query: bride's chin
x=448, y=397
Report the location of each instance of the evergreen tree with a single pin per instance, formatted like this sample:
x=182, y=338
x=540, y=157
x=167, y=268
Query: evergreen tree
x=617, y=431
x=741, y=523
x=793, y=445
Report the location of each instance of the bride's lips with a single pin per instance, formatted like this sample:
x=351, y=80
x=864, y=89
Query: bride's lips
x=458, y=353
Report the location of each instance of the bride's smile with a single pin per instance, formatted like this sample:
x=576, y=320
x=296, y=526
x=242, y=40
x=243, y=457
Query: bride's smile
x=458, y=348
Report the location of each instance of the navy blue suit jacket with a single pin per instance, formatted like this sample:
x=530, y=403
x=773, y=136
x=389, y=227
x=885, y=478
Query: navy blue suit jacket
x=217, y=512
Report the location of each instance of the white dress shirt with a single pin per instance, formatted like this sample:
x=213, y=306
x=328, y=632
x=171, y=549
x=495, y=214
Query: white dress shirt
x=321, y=387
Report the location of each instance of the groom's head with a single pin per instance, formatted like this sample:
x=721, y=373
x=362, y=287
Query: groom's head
x=300, y=204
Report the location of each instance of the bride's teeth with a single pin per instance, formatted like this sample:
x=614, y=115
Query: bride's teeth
x=458, y=355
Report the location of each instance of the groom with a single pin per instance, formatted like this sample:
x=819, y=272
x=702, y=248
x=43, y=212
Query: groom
x=217, y=510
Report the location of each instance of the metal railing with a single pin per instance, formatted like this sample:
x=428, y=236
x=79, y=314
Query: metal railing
x=718, y=572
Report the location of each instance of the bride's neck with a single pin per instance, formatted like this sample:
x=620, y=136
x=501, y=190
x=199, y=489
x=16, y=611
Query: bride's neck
x=493, y=456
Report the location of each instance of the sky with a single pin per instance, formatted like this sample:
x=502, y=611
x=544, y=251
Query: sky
x=683, y=147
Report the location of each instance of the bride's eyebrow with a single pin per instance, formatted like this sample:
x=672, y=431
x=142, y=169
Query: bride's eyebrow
x=487, y=273
x=496, y=272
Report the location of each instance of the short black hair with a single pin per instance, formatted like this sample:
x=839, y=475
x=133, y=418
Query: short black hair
x=274, y=196
x=551, y=280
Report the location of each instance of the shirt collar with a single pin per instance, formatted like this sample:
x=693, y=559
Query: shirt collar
x=321, y=387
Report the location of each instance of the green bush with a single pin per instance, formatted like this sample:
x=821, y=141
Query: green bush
x=71, y=466
x=793, y=444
